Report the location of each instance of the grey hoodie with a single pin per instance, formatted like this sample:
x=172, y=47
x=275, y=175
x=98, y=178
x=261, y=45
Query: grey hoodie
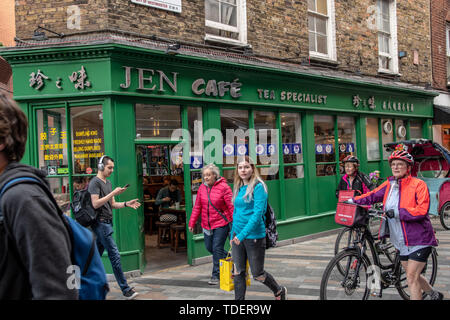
x=35, y=256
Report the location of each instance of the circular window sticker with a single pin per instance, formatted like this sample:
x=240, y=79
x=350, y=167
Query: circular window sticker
x=319, y=148
x=387, y=127
x=259, y=149
x=228, y=149
x=328, y=148
x=401, y=132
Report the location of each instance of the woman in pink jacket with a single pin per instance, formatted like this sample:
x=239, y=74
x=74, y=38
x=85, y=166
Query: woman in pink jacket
x=214, y=205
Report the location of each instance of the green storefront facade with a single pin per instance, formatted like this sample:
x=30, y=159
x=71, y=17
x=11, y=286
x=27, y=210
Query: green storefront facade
x=83, y=101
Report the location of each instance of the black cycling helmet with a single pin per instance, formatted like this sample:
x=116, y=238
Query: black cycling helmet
x=350, y=158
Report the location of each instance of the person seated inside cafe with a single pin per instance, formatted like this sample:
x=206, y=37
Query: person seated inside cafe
x=166, y=198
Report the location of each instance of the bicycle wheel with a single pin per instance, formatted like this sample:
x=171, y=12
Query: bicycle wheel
x=348, y=286
x=429, y=272
x=444, y=216
x=343, y=240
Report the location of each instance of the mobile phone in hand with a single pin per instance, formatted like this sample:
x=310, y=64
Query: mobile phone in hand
x=127, y=185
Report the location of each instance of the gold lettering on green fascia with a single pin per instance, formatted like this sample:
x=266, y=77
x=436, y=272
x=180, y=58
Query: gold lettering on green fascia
x=150, y=79
x=214, y=88
x=303, y=97
x=292, y=96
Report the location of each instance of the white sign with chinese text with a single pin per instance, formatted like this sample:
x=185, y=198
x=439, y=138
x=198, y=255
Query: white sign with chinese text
x=169, y=5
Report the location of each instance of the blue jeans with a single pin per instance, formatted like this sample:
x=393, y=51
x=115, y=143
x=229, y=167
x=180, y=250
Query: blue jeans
x=215, y=243
x=104, y=232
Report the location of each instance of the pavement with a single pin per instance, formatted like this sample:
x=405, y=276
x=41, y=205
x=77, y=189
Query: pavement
x=298, y=266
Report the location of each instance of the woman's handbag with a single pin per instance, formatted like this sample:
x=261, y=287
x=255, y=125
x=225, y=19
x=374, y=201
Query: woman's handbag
x=226, y=273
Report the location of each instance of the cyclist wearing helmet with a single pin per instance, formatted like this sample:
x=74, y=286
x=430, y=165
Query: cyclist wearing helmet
x=354, y=179
x=406, y=201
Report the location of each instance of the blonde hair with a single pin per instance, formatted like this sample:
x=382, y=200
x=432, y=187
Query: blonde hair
x=254, y=180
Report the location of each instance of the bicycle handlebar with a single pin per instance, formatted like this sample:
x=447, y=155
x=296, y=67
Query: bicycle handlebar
x=374, y=212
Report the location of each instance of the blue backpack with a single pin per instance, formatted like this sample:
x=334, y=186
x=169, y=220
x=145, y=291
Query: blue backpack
x=90, y=278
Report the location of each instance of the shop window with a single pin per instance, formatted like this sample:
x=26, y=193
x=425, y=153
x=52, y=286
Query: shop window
x=195, y=127
x=415, y=129
x=156, y=121
x=53, y=157
x=266, y=138
x=400, y=130
x=52, y=141
x=291, y=136
x=321, y=28
x=387, y=36
x=229, y=175
x=88, y=144
x=346, y=138
x=372, y=139
x=387, y=135
x=324, y=145
x=59, y=186
x=234, y=126
x=226, y=21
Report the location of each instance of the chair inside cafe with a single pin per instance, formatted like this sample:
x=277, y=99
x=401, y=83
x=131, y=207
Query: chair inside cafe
x=152, y=212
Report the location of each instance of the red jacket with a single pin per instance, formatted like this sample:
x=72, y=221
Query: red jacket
x=220, y=195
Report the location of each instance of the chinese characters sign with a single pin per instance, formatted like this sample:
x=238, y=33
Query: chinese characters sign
x=52, y=147
x=362, y=103
x=78, y=78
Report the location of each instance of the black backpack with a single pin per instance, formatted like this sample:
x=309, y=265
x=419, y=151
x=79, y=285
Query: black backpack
x=82, y=208
x=271, y=227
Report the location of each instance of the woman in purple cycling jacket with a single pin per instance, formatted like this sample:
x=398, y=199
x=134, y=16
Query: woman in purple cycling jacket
x=406, y=201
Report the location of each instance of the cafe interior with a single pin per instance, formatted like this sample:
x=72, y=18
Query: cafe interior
x=164, y=219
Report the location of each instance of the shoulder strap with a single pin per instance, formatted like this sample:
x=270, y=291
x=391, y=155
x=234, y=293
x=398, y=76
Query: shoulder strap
x=49, y=195
x=12, y=182
x=218, y=211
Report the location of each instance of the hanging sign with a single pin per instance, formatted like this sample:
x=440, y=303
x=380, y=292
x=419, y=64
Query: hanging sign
x=169, y=5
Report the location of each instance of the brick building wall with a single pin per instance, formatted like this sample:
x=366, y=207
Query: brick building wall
x=439, y=9
x=7, y=33
x=276, y=28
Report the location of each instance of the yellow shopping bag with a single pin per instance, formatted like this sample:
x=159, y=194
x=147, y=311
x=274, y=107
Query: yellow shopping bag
x=226, y=273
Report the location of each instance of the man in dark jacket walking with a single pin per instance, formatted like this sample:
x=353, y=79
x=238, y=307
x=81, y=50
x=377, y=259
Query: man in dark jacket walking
x=34, y=243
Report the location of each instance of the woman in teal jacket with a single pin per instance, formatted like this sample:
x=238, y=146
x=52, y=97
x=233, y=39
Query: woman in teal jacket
x=249, y=233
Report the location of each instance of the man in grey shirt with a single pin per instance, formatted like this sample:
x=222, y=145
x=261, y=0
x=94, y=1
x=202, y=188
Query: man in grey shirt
x=102, y=197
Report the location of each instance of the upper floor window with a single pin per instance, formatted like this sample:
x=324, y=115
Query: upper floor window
x=387, y=36
x=448, y=54
x=321, y=28
x=225, y=21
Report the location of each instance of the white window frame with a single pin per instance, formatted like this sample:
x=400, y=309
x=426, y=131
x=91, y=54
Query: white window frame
x=447, y=36
x=331, y=33
x=393, y=45
x=241, y=29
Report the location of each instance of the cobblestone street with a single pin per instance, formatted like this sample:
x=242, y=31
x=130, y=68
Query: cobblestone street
x=297, y=266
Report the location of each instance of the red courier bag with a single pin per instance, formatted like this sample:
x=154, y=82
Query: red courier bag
x=345, y=195
x=350, y=215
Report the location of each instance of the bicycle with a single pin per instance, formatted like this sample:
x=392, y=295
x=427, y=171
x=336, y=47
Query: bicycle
x=352, y=275
x=345, y=237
